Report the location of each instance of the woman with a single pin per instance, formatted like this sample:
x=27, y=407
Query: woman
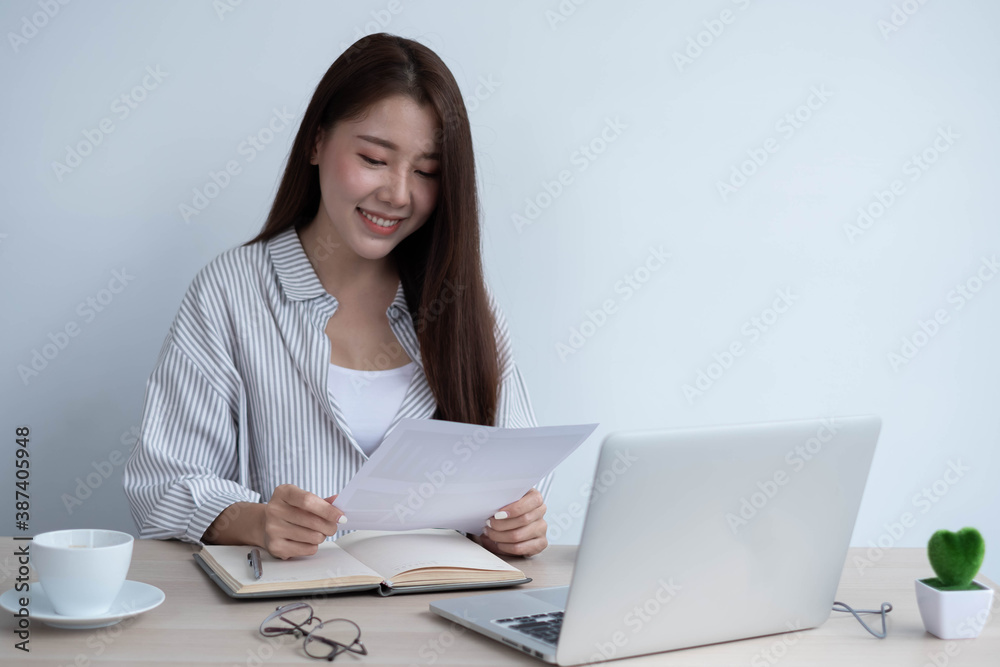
x=361, y=302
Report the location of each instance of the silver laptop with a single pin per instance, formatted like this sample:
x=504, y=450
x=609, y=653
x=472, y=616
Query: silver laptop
x=695, y=536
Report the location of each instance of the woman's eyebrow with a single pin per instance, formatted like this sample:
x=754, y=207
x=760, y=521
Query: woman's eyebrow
x=385, y=143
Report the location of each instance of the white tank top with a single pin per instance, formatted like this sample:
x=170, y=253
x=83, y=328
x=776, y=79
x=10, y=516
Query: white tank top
x=370, y=400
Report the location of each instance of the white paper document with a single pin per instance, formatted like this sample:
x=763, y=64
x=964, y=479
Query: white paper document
x=437, y=474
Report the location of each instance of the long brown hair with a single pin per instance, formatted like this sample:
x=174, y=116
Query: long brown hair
x=439, y=265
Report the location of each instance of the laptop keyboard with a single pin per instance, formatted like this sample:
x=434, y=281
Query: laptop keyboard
x=543, y=627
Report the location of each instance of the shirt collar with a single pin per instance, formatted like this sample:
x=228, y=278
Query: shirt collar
x=298, y=279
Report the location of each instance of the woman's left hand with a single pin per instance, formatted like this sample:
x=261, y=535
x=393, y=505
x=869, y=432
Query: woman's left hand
x=521, y=532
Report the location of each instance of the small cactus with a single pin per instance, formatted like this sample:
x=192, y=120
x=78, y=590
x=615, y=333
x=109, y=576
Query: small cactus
x=956, y=558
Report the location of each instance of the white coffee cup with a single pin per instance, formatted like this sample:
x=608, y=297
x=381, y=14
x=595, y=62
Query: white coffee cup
x=82, y=570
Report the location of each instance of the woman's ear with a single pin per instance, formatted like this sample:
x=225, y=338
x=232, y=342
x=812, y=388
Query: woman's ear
x=317, y=147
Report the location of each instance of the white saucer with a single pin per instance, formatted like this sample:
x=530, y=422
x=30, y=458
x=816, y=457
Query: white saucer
x=134, y=598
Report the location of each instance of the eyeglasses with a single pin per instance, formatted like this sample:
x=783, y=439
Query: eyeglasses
x=325, y=641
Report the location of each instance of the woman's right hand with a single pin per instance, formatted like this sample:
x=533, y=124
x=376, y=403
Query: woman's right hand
x=295, y=522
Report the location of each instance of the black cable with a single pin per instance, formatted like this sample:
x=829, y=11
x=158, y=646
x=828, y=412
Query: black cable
x=886, y=608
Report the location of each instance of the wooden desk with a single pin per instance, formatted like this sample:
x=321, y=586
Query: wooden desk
x=199, y=625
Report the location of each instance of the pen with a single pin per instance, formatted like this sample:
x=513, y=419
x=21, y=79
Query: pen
x=253, y=558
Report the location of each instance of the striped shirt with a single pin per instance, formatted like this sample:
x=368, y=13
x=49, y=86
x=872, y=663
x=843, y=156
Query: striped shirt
x=238, y=402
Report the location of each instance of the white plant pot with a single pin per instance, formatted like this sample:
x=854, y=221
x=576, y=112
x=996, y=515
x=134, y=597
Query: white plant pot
x=954, y=614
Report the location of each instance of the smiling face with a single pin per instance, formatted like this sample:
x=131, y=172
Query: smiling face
x=378, y=176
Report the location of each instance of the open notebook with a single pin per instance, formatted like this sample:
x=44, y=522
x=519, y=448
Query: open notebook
x=390, y=562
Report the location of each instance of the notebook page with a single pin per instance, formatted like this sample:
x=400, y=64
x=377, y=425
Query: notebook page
x=391, y=552
x=329, y=562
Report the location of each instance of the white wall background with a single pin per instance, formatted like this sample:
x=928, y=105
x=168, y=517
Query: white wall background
x=891, y=81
